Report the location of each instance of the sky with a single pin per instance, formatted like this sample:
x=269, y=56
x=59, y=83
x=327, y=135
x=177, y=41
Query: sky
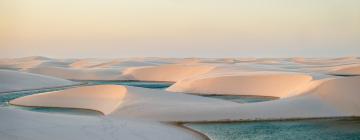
x=179, y=28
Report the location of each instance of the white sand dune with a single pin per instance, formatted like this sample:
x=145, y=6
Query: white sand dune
x=347, y=70
x=78, y=74
x=328, y=98
x=157, y=105
x=102, y=98
x=304, y=85
x=23, y=63
x=171, y=73
x=276, y=84
x=342, y=93
x=14, y=80
x=123, y=64
x=26, y=125
x=324, y=61
x=86, y=63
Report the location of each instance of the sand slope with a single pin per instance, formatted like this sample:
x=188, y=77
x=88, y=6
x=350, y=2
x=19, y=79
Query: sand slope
x=276, y=84
x=342, y=93
x=323, y=100
x=304, y=85
x=347, y=70
x=15, y=80
x=26, y=125
x=102, y=98
x=78, y=74
x=326, y=98
x=171, y=73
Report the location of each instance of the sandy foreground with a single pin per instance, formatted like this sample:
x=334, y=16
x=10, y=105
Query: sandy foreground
x=306, y=87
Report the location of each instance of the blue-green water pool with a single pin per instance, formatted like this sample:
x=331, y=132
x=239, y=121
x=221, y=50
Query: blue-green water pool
x=6, y=97
x=152, y=85
x=241, y=99
x=316, y=129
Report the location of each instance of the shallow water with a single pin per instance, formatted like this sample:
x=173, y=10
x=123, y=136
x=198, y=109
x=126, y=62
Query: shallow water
x=152, y=85
x=6, y=97
x=317, y=129
x=71, y=111
x=241, y=99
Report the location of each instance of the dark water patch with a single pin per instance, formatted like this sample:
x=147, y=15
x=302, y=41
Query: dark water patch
x=323, y=129
x=6, y=97
x=345, y=75
x=72, y=111
x=8, y=68
x=242, y=98
x=143, y=84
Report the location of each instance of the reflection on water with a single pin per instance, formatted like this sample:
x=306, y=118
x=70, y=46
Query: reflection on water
x=241, y=99
x=317, y=129
x=71, y=111
x=152, y=85
x=6, y=97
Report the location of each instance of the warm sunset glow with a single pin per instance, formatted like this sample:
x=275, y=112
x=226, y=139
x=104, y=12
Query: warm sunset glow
x=179, y=28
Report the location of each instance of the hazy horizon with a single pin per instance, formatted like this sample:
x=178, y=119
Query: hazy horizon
x=172, y=28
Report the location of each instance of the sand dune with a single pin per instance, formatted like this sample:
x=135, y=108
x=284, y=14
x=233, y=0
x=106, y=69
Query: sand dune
x=276, y=84
x=324, y=61
x=85, y=63
x=123, y=64
x=322, y=100
x=14, y=80
x=78, y=74
x=342, y=93
x=171, y=73
x=347, y=70
x=23, y=63
x=26, y=125
x=102, y=98
x=305, y=87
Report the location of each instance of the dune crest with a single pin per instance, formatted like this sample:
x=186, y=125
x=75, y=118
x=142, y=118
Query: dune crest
x=347, y=70
x=342, y=93
x=102, y=98
x=15, y=80
x=170, y=73
x=276, y=84
x=78, y=74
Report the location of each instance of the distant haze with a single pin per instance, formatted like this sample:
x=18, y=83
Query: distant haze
x=179, y=28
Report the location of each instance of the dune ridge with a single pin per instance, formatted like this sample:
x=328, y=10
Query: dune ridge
x=307, y=89
x=347, y=70
x=102, y=98
x=14, y=80
x=319, y=101
x=276, y=84
x=78, y=74
x=170, y=73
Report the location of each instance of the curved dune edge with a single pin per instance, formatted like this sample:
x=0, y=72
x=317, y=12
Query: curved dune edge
x=347, y=70
x=321, y=61
x=327, y=98
x=342, y=93
x=102, y=98
x=170, y=73
x=53, y=127
x=16, y=81
x=275, y=84
x=78, y=74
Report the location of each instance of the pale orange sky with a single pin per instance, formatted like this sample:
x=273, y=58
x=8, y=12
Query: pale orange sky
x=179, y=28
